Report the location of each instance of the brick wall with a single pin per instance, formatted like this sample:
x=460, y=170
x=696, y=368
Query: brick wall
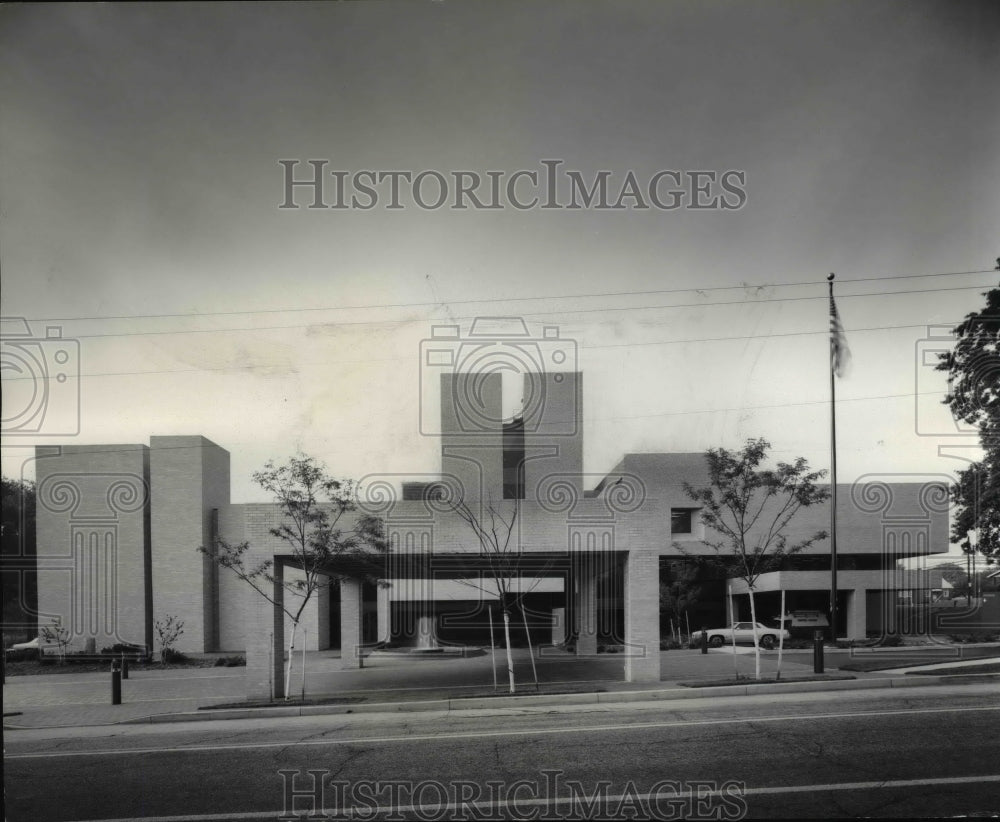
x=232, y=591
x=93, y=541
x=189, y=477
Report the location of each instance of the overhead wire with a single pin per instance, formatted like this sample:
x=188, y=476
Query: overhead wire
x=491, y=300
x=559, y=312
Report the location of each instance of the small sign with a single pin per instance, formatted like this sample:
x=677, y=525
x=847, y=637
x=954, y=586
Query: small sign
x=809, y=619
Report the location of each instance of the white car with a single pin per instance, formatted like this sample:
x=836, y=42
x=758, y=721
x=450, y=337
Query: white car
x=36, y=644
x=743, y=632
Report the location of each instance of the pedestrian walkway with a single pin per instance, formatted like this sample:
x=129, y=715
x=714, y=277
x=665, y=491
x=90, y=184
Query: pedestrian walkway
x=85, y=699
x=57, y=700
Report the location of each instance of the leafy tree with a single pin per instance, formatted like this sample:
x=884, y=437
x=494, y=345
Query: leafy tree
x=973, y=369
x=323, y=544
x=956, y=577
x=962, y=582
x=749, y=507
x=168, y=631
x=683, y=589
x=17, y=534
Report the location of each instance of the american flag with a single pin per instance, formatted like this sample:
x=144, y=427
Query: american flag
x=840, y=354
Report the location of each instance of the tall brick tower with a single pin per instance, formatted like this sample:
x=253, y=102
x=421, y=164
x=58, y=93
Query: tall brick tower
x=189, y=478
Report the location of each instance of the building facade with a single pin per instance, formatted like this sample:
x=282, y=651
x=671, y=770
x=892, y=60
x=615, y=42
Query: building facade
x=119, y=528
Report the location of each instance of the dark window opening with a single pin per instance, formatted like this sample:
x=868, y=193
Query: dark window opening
x=681, y=520
x=513, y=459
x=423, y=491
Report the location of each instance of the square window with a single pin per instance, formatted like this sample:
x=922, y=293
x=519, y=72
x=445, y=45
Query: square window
x=680, y=520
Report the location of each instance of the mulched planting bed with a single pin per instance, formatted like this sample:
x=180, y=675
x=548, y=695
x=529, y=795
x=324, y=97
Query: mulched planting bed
x=33, y=668
x=887, y=660
x=963, y=670
x=292, y=703
x=712, y=683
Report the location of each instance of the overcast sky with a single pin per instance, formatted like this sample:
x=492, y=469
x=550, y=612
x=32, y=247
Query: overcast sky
x=141, y=192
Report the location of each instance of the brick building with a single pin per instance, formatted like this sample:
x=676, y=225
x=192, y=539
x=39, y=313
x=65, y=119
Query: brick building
x=119, y=527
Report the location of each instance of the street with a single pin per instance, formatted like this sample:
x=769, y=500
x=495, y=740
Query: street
x=922, y=752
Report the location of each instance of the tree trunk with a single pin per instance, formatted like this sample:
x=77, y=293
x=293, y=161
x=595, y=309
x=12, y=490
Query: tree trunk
x=732, y=628
x=781, y=636
x=510, y=659
x=304, y=644
x=291, y=656
x=756, y=638
x=493, y=652
x=531, y=651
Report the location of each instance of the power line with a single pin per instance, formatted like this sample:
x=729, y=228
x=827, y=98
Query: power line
x=490, y=300
x=735, y=338
x=823, y=332
x=909, y=395
x=561, y=312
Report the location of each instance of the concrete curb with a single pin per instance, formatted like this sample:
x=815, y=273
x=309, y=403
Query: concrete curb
x=459, y=704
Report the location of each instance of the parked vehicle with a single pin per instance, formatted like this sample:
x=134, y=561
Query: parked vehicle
x=743, y=631
x=31, y=647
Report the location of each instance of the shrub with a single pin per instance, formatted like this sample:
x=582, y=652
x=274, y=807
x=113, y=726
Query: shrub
x=169, y=655
x=57, y=634
x=669, y=645
x=134, y=652
x=973, y=637
x=230, y=661
x=124, y=648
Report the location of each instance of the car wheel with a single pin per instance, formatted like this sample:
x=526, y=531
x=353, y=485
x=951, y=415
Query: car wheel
x=716, y=641
x=767, y=642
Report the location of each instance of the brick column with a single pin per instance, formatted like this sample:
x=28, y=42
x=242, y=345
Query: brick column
x=384, y=613
x=350, y=623
x=857, y=614
x=642, y=617
x=265, y=640
x=558, y=626
x=586, y=610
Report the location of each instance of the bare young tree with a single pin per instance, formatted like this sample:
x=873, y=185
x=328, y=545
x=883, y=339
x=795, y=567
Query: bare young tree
x=322, y=545
x=494, y=529
x=56, y=633
x=168, y=631
x=750, y=507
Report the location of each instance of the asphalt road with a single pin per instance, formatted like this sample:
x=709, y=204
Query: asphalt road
x=926, y=752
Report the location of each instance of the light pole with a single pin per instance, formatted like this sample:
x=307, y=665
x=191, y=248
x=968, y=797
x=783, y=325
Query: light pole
x=973, y=536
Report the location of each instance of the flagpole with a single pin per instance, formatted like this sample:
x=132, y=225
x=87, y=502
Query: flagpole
x=833, y=475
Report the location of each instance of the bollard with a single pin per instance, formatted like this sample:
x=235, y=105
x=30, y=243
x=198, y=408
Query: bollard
x=124, y=667
x=116, y=682
x=704, y=639
x=817, y=652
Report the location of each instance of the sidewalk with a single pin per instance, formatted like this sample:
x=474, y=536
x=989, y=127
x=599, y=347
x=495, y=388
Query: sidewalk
x=52, y=700
x=392, y=683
